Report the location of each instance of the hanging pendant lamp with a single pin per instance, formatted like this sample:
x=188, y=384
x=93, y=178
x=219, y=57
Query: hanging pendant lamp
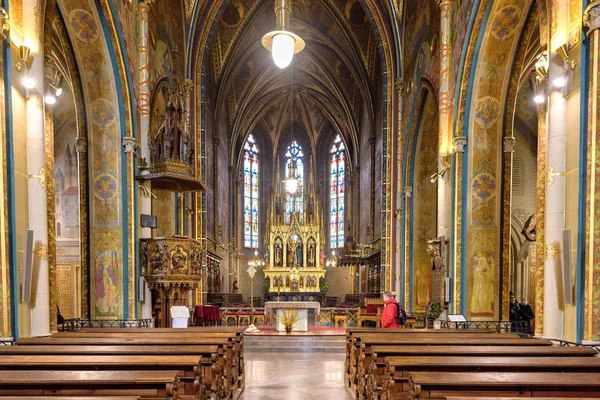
x=281, y=42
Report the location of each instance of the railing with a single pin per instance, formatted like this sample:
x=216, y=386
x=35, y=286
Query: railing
x=566, y=343
x=77, y=323
x=520, y=327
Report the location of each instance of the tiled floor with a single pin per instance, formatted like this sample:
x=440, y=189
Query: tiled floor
x=294, y=376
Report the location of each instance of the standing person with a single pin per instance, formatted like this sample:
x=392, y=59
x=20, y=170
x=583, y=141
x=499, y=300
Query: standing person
x=390, y=311
x=515, y=310
x=526, y=314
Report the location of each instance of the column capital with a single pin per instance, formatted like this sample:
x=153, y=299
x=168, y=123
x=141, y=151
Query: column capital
x=81, y=145
x=509, y=144
x=407, y=191
x=459, y=143
x=591, y=17
x=216, y=141
x=372, y=140
x=399, y=85
x=130, y=144
x=188, y=85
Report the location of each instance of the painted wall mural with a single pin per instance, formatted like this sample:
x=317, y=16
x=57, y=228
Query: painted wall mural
x=485, y=133
x=424, y=203
x=104, y=152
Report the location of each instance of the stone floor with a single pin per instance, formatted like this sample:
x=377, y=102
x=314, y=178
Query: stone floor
x=294, y=376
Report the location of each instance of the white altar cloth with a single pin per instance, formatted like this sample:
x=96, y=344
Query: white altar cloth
x=301, y=307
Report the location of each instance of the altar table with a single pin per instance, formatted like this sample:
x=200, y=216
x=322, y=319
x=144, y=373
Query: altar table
x=301, y=307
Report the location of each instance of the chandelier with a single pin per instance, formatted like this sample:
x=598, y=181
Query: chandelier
x=281, y=42
x=254, y=263
x=291, y=181
x=331, y=261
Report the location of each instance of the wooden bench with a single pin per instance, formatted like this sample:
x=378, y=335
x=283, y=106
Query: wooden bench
x=379, y=354
x=362, y=346
x=433, y=385
x=156, y=383
x=229, y=362
x=398, y=369
x=193, y=371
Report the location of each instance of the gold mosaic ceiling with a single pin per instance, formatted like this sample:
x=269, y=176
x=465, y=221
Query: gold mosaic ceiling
x=334, y=79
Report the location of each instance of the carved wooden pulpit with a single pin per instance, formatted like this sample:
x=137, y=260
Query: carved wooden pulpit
x=172, y=267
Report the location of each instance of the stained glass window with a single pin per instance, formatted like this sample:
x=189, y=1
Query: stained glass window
x=295, y=202
x=251, y=193
x=337, y=170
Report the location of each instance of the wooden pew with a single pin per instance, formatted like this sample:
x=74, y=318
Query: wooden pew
x=230, y=362
x=433, y=385
x=397, y=369
x=355, y=334
x=190, y=369
x=233, y=363
x=76, y=398
x=177, y=331
x=507, y=398
x=361, y=347
x=156, y=383
x=368, y=362
x=205, y=350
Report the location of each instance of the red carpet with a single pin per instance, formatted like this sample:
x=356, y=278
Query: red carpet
x=318, y=328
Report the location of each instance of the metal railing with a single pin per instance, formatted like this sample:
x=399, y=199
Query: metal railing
x=521, y=327
x=78, y=323
x=566, y=343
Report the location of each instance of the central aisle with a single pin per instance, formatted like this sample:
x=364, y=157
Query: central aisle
x=294, y=376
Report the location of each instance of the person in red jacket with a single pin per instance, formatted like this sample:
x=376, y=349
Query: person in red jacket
x=388, y=317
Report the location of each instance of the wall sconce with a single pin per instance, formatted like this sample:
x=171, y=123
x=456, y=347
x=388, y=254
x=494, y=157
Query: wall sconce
x=563, y=52
x=146, y=192
x=4, y=24
x=440, y=174
x=21, y=66
x=541, y=75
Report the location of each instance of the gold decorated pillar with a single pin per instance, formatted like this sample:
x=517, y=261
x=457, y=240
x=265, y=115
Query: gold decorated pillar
x=592, y=233
x=398, y=190
x=36, y=170
x=555, y=201
x=144, y=113
x=459, y=143
x=444, y=104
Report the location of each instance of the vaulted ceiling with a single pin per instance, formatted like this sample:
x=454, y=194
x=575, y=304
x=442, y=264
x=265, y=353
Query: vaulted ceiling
x=331, y=85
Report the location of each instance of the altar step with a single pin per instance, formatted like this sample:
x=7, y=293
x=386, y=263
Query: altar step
x=295, y=343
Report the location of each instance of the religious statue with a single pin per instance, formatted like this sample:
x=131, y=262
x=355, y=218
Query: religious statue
x=287, y=281
x=528, y=233
x=311, y=253
x=301, y=281
x=299, y=254
x=294, y=285
x=433, y=249
x=235, y=286
x=483, y=287
x=278, y=253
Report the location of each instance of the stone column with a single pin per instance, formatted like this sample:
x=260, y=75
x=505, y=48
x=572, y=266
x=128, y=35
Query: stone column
x=145, y=95
x=444, y=105
x=407, y=194
x=507, y=162
x=81, y=144
x=456, y=270
x=399, y=193
x=36, y=161
x=556, y=184
x=592, y=234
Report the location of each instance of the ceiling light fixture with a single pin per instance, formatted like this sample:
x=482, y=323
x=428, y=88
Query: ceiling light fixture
x=291, y=182
x=50, y=98
x=21, y=66
x=281, y=42
x=539, y=98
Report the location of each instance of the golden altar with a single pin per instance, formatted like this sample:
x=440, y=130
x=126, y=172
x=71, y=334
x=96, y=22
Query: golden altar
x=295, y=260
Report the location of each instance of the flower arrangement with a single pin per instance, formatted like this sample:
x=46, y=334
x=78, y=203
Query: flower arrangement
x=288, y=319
